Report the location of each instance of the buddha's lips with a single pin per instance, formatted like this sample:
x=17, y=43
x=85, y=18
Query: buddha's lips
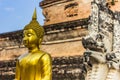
x=25, y=42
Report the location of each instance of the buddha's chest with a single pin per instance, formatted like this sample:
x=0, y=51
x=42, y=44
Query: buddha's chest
x=30, y=61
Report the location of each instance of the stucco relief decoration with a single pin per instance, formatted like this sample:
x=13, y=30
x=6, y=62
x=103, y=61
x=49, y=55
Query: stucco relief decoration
x=47, y=15
x=71, y=9
x=102, y=58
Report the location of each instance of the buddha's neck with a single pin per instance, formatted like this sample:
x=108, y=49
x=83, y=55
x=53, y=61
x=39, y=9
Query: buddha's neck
x=33, y=49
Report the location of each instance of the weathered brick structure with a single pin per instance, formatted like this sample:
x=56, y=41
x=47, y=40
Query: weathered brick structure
x=57, y=11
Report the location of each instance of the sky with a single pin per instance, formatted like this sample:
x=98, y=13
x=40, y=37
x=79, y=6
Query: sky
x=15, y=14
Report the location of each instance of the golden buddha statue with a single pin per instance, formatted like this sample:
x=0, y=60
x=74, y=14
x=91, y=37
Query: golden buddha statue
x=36, y=64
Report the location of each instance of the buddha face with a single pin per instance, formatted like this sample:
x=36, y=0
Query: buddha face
x=30, y=38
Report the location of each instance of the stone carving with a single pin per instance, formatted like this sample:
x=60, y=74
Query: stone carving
x=47, y=15
x=71, y=9
x=102, y=56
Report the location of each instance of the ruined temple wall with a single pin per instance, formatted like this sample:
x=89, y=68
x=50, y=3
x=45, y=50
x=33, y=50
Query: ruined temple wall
x=68, y=10
x=11, y=53
x=62, y=11
x=64, y=35
x=116, y=6
x=70, y=48
x=59, y=49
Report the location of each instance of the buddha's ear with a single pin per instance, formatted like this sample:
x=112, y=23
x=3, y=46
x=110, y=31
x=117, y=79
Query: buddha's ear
x=40, y=40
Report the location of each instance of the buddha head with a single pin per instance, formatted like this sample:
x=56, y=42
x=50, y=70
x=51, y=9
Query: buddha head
x=33, y=33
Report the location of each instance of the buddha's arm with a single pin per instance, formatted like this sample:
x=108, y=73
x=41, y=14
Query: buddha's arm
x=17, y=75
x=46, y=67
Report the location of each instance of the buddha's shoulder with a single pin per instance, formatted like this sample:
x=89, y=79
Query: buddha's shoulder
x=46, y=56
x=22, y=56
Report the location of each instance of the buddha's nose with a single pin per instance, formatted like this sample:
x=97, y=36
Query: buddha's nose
x=24, y=40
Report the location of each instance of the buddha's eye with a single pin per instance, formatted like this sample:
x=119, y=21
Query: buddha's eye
x=29, y=34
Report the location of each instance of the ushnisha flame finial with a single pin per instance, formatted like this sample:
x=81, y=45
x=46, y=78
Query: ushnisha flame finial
x=34, y=17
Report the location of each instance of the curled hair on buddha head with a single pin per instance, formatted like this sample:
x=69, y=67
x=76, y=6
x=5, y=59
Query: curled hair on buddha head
x=39, y=30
